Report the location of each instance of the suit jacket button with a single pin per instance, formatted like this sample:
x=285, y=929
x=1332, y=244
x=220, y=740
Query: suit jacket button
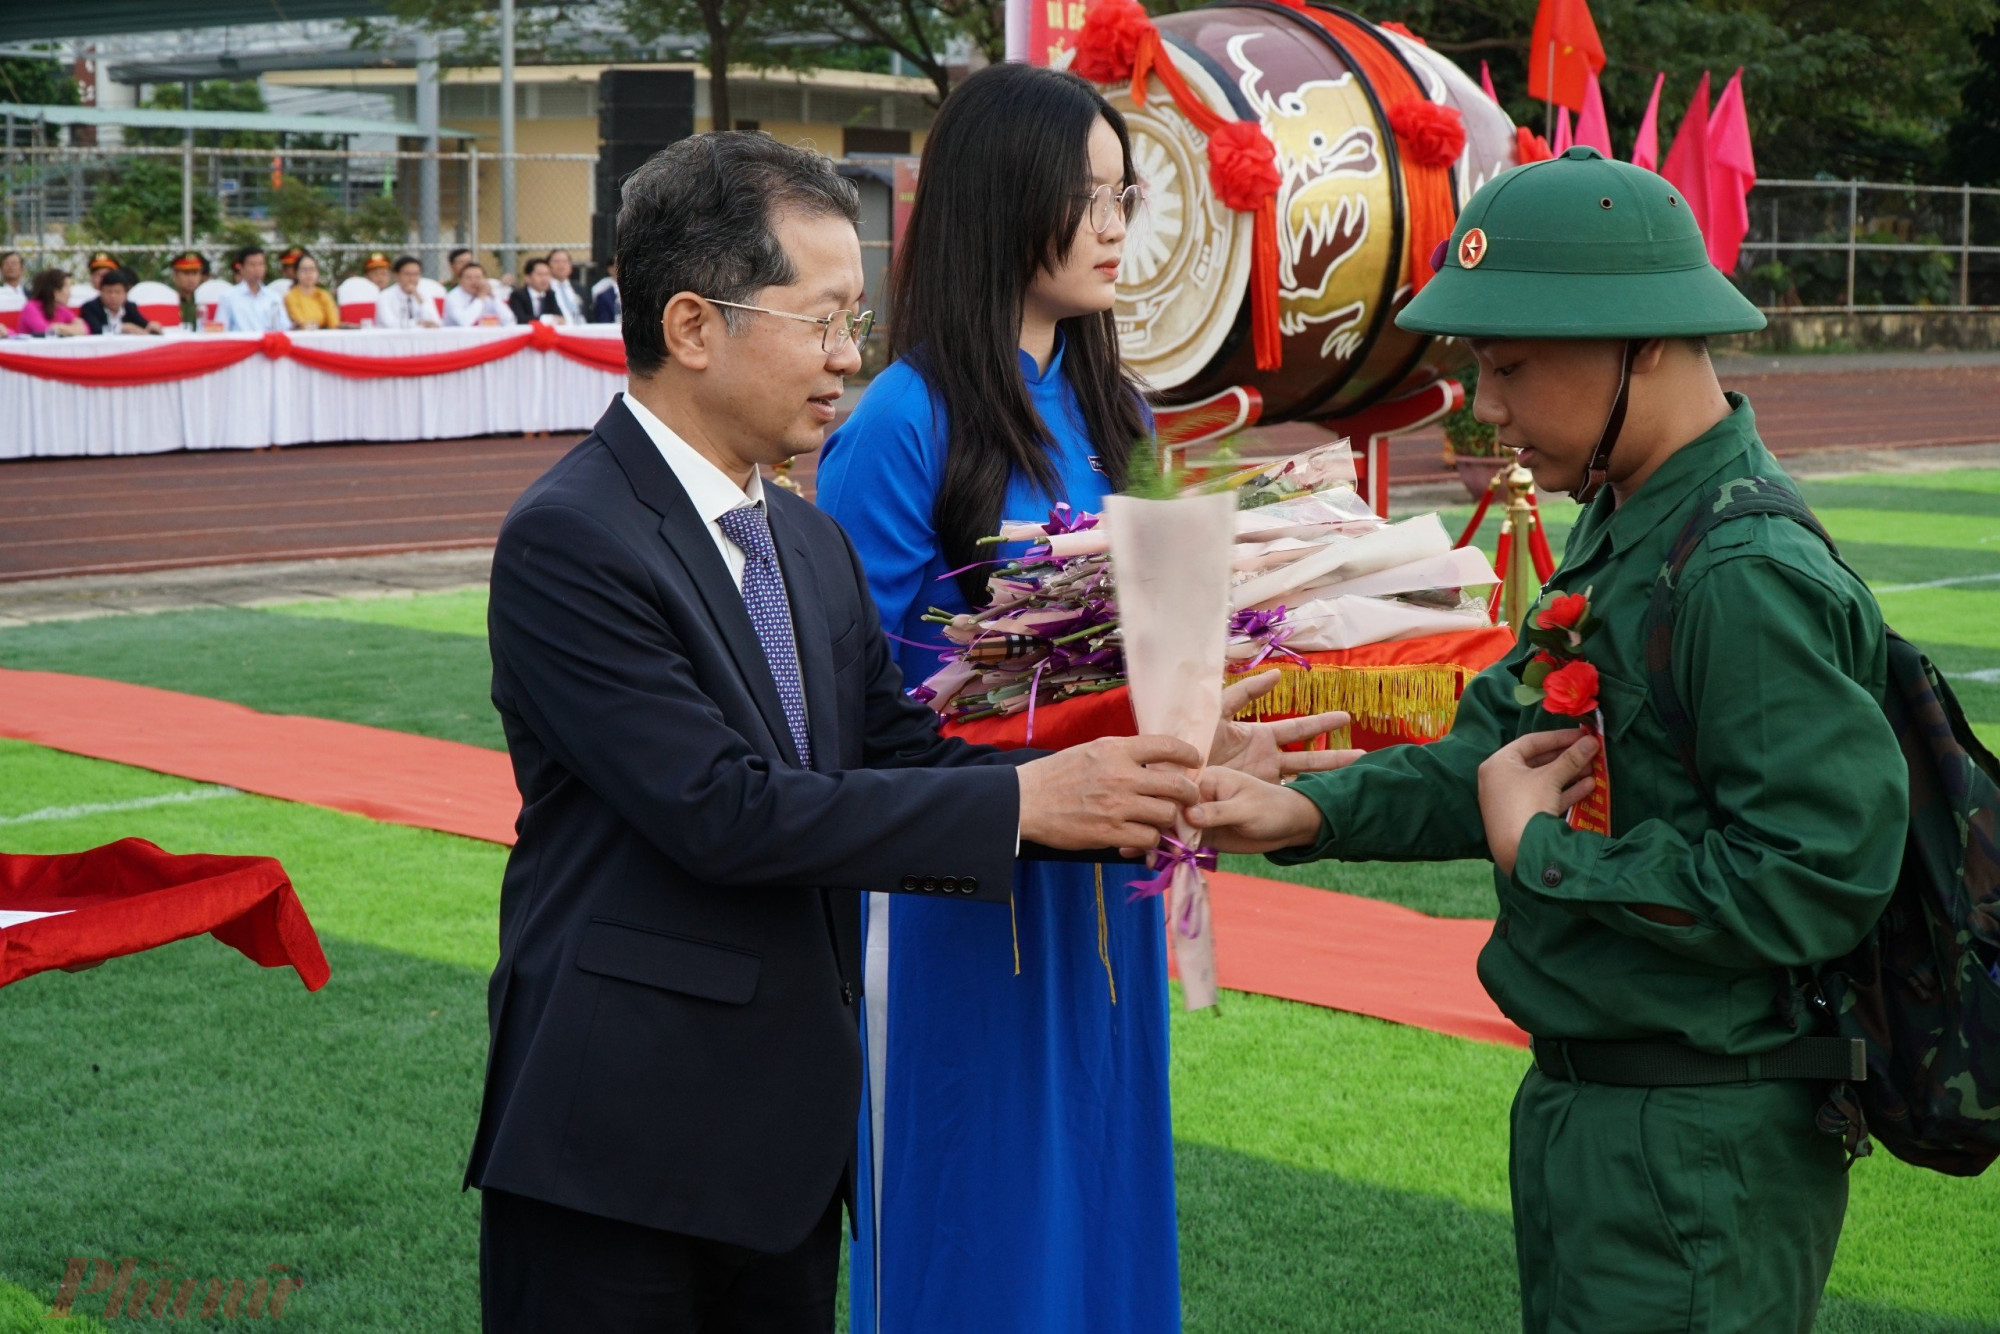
x=930, y=884
x=949, y=884
x=1552, y=876
x=968, y=884
x=910, y=883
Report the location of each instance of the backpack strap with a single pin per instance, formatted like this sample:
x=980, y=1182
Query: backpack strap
x=1734, y=499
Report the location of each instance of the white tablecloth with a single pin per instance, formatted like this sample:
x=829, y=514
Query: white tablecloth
x=260, y=401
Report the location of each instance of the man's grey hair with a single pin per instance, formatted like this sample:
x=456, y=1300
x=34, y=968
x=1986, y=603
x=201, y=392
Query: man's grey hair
x=696, y=217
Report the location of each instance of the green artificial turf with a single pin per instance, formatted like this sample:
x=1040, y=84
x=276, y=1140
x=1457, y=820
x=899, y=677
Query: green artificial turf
x=1335, y=1173
x=356, y=670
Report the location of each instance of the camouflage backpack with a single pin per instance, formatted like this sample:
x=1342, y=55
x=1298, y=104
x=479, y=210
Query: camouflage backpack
x=1922, y=990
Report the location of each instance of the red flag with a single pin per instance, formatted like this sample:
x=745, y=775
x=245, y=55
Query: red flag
x=1592, y=127
x=1732, y=170
x=1486, y=81
x=1646, y=148
x=1563, y=139
x=1687, y=161
x=82, y=908
x=1565, y=43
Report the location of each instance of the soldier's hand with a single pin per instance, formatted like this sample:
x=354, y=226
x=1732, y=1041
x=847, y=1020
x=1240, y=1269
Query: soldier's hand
x=1101, y=794
x=1239, y=813
x=1542, y=773
x=1256, y=748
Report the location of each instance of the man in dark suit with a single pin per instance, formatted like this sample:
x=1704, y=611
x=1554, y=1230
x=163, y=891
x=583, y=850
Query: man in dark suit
x=110, y=311
x=715, y=756
x=536, y=296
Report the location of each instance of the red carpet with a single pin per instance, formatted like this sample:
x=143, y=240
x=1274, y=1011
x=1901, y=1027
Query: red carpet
x=1273, y=938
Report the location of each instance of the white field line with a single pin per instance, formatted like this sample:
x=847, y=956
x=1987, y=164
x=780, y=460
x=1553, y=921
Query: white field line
x=107, y=807
x=1940, y=583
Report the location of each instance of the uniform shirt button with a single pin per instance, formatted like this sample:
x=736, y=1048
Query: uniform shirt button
x=1552, y=876
x=930, y=884
x=949, y=884
x=968, y=884
x=910, y=882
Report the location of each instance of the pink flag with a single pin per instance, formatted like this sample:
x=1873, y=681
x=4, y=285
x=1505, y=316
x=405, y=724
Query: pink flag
x=1486, y=80
x=1591, y=126
x=1732, y=170
x=1562, y=131
x=1646, y=148
x=1687, y=161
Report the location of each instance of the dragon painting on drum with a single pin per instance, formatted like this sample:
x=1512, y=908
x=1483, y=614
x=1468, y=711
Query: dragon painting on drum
x=1364, y=192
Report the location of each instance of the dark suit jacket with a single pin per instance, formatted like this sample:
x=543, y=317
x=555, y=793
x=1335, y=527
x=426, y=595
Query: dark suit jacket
x=529, y=305
x=673, y=1032
x=93, y=315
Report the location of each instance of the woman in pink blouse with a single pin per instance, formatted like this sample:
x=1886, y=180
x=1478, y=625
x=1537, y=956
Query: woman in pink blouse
x=48, y=312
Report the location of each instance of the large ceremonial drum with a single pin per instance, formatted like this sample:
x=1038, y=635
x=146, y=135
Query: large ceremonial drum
x=1352, y=208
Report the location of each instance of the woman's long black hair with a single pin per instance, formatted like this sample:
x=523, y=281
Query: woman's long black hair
x=1004, y=183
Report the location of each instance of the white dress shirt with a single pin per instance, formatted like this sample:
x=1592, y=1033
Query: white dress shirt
x=397, y=309
x=462, y=310
x=244, y=311
x=568, y=304
x=713, y=491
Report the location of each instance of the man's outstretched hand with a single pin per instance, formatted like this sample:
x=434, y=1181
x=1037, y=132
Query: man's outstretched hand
x=1102, y=795
x=1255, y=748
x=1239, y=813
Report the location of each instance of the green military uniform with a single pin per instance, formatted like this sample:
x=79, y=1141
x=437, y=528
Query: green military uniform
x=1669, y=1207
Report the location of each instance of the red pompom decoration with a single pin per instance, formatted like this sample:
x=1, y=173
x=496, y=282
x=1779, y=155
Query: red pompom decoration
x=1529, y=146
x=1429, y=133
x=1242, y=165
x=1401, y=31
x=1113, y=31
x=275, y=345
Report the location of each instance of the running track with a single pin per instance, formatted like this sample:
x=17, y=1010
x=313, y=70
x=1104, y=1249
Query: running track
x=110, y=515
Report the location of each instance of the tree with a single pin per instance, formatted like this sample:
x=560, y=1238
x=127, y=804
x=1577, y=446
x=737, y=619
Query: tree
x=210, y=95
x=1972, y=146
x=1834, y=87
x=922, y=34
x=36, y=82
x=140, y=205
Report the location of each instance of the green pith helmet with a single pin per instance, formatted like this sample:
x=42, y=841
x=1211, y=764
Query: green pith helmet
x=1579, y=246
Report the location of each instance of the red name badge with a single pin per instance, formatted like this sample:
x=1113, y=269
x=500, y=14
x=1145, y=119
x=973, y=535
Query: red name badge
x=1593, y=813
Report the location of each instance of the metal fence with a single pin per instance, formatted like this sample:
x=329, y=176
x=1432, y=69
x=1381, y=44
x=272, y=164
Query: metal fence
x=1813, y=246
x=144, y=204
x=1846, y=246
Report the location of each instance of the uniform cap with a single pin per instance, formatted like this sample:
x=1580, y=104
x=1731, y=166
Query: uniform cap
x=100, y=260
x=378, y=260
x=1579, y=246
x=189, y=262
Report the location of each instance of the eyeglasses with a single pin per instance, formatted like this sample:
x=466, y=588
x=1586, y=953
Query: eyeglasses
x=835, y=329
x=1103, y=201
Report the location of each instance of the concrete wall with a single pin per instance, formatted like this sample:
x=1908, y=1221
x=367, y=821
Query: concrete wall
x=1866, y=331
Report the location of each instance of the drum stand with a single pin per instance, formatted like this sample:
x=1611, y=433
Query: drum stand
x=1371, y=428
x=1524, y=563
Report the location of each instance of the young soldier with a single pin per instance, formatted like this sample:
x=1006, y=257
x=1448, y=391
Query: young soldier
x=1667, y=1174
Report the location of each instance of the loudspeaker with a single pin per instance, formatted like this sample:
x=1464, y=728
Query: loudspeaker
x=645, y=106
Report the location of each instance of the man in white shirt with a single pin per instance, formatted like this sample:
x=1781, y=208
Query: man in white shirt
x=12, y=270
x=474, y=302
x=568, y=300
x=402, y=306
x=251, y=306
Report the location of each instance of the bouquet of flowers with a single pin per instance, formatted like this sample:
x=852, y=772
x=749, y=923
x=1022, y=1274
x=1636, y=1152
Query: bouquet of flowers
x=1310, y=568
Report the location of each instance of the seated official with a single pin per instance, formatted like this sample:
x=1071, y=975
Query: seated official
x=190, y=271
x=251, y=306
x=567, y=284
x=13, y=274
x=109, y=312
x=48, y=313
x=536, y=299
x=605, y=307
x=310, y=305
x=474, y=303
x=403, y=306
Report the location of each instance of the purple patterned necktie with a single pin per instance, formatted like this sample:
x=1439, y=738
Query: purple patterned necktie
x=771, y=614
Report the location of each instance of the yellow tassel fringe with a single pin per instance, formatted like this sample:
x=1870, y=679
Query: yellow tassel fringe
x=1420, y=701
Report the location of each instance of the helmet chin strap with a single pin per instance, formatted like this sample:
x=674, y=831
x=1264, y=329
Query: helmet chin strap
x=1599, y=471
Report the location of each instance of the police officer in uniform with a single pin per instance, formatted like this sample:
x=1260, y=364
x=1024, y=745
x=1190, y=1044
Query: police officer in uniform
x=1666, y=1170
